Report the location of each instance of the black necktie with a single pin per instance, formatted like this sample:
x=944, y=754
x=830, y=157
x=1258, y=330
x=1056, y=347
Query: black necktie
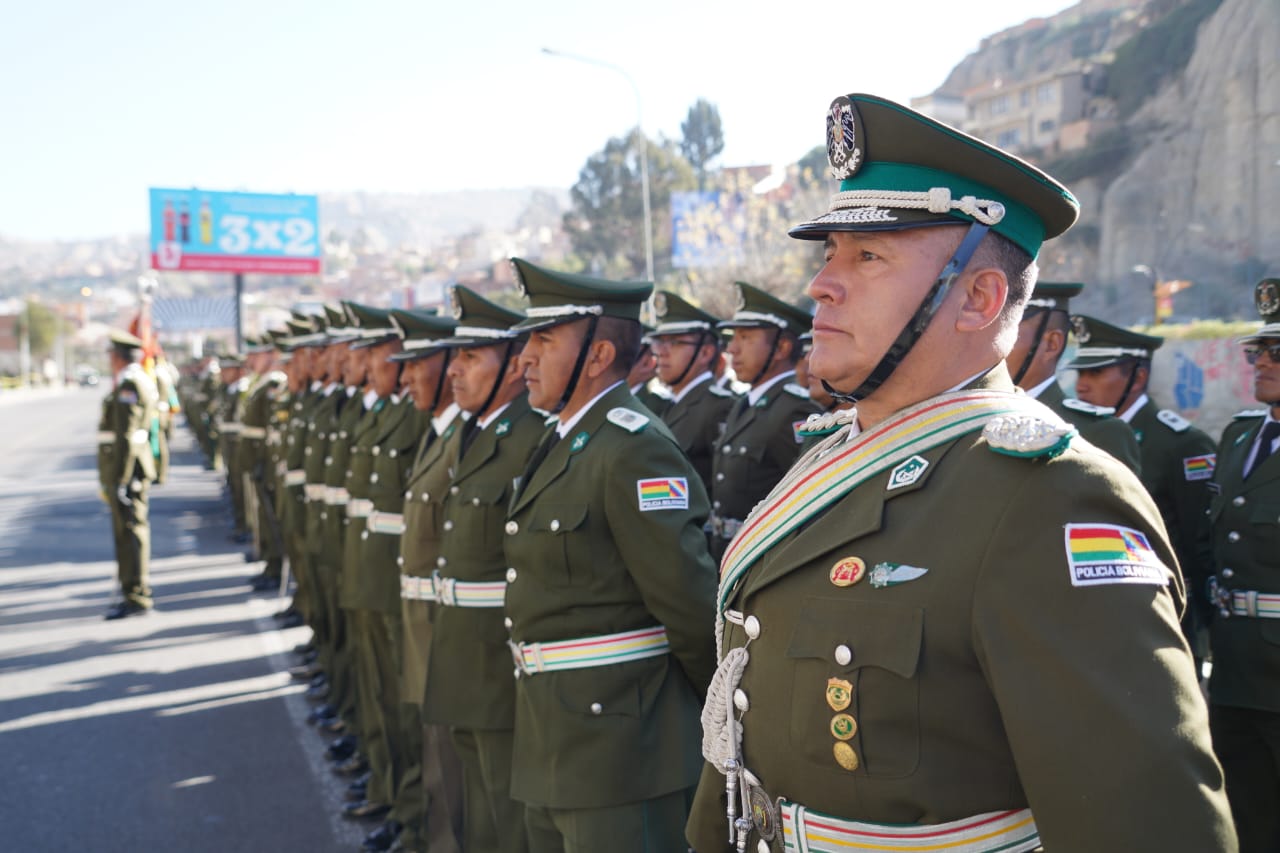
x=1270, y=433
x=549, y=441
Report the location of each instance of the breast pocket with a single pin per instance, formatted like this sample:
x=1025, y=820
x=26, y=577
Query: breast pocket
x=561, y=556
x=855, y=684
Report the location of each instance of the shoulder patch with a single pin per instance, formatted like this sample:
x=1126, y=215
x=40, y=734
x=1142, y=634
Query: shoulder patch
x=127, y=397
x=721, y=392
x=1250, y=413
x=663, y=493
x=1199, y=467
x=1028, y=436
x=1077, y=405
x=1099, y=554
x=796, y=391
x=1173, y=420
x=628, y=419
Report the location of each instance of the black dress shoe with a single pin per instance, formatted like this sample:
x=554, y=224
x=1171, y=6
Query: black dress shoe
x=123, y=609
x=353, y=766
x=320, y=713
x=292, y=621
x=335, y=726
x=383, y=837
x=342, y=748
x=305, y=672
x=265, y=583
x=306, y=648
x=356, y=790
x=365, y=810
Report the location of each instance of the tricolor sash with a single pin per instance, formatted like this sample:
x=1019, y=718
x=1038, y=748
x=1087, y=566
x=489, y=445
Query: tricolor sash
x=828, y=472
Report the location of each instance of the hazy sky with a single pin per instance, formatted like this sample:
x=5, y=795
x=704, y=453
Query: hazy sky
x=102, y=100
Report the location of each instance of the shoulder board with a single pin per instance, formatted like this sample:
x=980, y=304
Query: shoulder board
x=721, y=392
x=628, y=419
x=277, y=376
x=1173, y=420
x=1035, y=432
x=1250, y=413
x=1078, y=405
x=796, y=391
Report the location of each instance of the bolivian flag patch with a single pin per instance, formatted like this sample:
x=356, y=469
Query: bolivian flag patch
x=1107, y=553
x=663, y=493
x=1199, y=467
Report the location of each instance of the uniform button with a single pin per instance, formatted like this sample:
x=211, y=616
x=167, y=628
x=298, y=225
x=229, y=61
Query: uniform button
x=453, y=490
x=507, y=623
x=726, y=449
x=324, y=516
x=441, y=562
x=408, y=494
x=597, y=708
x=348, y=472
x=308, y=451
x=448, y=525
x=1238, y=500
x=400, y=562
x=391, y=453
x=555, y=525
x=376, y=450
x=512, y=528
x=364, y=534
x=328, y=460
x=715, y=504
x=373, y=478
x=720, y=477
x=1233, y=536
x=475, y=502
x=752, y=626
x=425, y=497
x=740, y=701
x=1226, y=573
x=342, y=434
x=511, y=575
x=843, y=655
x=333, y=436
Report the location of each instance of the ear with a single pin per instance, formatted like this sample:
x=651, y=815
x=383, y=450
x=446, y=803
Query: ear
x=1053, y=342
x=984, y=295
x=603, y=355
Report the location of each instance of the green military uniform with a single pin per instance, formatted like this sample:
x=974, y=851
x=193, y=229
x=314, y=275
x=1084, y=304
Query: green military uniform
x=429, y=800
x=761, y=437
x=605, y=547
x=697, y=413
x=471, y=689
x=227, y=418
x=1244, y=689
x=126, y=467
x=1176, y=458
x=252, y=461
x=956, y=628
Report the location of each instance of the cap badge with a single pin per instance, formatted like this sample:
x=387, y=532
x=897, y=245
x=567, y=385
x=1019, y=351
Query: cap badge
x=660, y=305
x=1267, y=297
x=848, y=571
x=892, y=574
x=742, y=299
x=842, y=150
x=1080, y=328
x=521, y=287
x=455, y=303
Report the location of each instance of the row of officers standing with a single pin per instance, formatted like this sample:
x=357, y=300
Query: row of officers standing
x=949, y=618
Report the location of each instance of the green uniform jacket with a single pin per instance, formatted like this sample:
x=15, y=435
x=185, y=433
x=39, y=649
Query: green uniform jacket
x=333, y=519
x=124, y=440
x=1245, y=517
x=255, y=418
x=378, y=554
x=293, y=516
x=359, y=482
x=990, y=682
x=1177, y=464
x=420, y=549
x=324, y=419
x=758, y=446
x=471, y=684
x=589, y=559
x=696, y=420
x=1096, y=426
x=656, y=399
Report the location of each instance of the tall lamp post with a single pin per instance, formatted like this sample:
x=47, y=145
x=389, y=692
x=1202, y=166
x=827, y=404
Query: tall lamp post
x=642, y=144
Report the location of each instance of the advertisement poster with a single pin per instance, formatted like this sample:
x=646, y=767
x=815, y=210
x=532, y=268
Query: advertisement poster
x=235, y=232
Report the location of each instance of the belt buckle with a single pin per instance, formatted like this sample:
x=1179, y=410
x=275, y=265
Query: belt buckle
x=517, y=655
x=762, y=810
x=1219, y=597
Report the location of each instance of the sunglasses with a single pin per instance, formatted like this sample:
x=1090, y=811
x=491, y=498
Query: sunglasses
x=1252, y=352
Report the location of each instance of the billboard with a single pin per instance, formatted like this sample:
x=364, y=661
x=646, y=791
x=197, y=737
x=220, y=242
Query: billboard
x=708, y=229
x=195, y=229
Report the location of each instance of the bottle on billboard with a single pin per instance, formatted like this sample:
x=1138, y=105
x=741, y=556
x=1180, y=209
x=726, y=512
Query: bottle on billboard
x=206, y=222
x=169, y=220
x=184, y=223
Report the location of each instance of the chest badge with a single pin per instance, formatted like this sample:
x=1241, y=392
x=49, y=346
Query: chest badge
x=848, y=571
x=892, y=574
x=579, y=442
x=839, y=693
x=906, y=473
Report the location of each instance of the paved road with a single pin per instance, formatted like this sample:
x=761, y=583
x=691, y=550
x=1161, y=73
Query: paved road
x=176, y=731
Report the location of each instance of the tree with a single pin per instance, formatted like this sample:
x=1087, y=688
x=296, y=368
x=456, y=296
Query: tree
x=606, y=223
x=813, y=166
x=702, y=139
x=42, y=325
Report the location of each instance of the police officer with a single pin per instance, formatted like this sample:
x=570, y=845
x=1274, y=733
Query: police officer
x=687, y=345
x=1176, y=458
x=1033, y=362
x=470, y=688
x=126, y=468
x=266, y=380
x=950, y=626
x=609, y=588
x=654, y=397
x=762, y=433
x=1244, y=692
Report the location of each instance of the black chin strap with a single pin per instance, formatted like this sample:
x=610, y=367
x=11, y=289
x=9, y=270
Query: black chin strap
x=919, y=321
x=1035, y=345
x=702, y=336
x=578, y=365
x=1128, y=386
x=768, y=362
x=435, y=401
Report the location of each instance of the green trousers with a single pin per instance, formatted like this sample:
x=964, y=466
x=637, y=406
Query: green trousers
x=132, y=533
x=492, y=821
x=650, y=826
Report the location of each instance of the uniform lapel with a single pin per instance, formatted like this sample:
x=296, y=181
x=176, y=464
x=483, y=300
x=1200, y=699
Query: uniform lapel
x=738, y=418
x=557, y=461
x=1267, y=471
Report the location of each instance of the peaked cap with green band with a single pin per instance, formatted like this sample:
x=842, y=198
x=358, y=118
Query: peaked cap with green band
x=901, y=169
x=372, y=324
x=758, y=309
x=1266, y=298
x=121, y=339
x=304, y=331
x=1102, y=344
x=676, y=316
x=338, y=327
x=422, y=332
x=1053, y=295
x=481, y=323
x=561, y=297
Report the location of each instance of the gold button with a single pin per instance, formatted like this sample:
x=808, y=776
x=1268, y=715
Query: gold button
x=843, y=727
x=845, y=756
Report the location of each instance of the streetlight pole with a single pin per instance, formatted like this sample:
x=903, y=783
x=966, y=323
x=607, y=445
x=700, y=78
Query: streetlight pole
x=642, y=144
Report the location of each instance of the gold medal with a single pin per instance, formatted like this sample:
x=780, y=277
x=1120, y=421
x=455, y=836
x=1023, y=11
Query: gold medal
x=845, y=756
x=848, y=571
x=839, y=693
x=843, y=727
